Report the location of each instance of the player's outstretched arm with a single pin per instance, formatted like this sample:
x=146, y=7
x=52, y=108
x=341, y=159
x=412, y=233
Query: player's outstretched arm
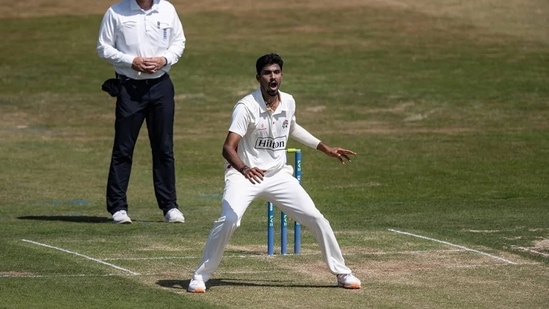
x=339, y=153
x=303, y=136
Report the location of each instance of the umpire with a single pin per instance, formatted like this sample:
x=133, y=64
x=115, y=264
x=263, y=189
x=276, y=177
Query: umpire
x=142, y=39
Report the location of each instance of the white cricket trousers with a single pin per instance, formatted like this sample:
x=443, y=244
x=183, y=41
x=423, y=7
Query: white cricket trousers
x=284, y=191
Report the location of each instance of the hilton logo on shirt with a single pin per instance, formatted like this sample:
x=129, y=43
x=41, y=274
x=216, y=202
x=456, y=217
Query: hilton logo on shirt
x=270, y=143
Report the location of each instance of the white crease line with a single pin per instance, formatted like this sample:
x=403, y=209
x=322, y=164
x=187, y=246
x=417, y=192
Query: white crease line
x=115, y=275
x=52, y=276
x=454, y=245
x=486, y=265
x=81, y=255
x=413, y=252
x=152, y=258
x=278, y=255
x=198, y=257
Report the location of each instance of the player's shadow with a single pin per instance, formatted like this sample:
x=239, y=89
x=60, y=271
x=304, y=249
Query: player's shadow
x=212, y=283
x=78, y=219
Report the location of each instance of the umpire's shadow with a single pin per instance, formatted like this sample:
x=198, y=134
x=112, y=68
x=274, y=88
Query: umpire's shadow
x=182, y=284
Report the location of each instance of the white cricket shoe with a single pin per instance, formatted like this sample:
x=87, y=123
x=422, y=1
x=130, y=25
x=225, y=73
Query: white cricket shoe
x=174, y=216
x=348, y=281
x=196, y=286
x=121, y=217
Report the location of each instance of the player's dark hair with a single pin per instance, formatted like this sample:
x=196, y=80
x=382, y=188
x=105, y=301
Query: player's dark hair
x=268, y=59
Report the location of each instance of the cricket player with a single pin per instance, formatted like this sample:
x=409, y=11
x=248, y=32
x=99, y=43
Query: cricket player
x=255, y=150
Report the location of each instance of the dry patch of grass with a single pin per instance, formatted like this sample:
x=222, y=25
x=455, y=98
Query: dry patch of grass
x=525, y=18
x=375, y=263
x=538, y=248
x=16, y=274
x=542, y=244
x=32, y=8
x=288, y=277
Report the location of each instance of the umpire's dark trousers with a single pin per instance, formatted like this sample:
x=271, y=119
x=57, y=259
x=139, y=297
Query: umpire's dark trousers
x=151, y=101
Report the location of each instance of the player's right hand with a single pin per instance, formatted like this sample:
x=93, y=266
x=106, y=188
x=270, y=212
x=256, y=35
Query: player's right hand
x=254, y=175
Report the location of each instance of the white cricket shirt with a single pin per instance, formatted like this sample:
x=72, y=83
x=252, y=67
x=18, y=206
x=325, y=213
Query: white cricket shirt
x=264, y=134
x=127, y=31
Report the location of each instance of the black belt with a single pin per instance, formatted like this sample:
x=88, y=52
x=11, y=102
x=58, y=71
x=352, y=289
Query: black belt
x=149, y=81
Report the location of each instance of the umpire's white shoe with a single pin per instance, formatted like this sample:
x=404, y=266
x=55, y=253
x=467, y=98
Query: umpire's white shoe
x=174, y=216
x=348, y=281
x=196, y=286
x=121, y=217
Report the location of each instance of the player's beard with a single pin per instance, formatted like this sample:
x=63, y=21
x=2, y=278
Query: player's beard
x=272, y=92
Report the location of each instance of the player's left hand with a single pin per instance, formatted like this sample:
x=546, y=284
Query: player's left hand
x=341, y=154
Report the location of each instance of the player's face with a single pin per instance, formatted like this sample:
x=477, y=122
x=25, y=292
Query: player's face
x=270, y=79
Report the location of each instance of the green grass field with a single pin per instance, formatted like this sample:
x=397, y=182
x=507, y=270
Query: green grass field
x=446, y=204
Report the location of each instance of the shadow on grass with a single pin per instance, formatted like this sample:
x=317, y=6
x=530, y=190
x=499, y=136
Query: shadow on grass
x=80, y=219
x=182, y=284
x=236, y=253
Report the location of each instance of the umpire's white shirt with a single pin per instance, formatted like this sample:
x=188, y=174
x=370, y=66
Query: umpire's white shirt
x=264, y=134
x=127, y=31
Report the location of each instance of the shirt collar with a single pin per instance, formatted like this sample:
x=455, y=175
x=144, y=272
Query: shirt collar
x=135, y=7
